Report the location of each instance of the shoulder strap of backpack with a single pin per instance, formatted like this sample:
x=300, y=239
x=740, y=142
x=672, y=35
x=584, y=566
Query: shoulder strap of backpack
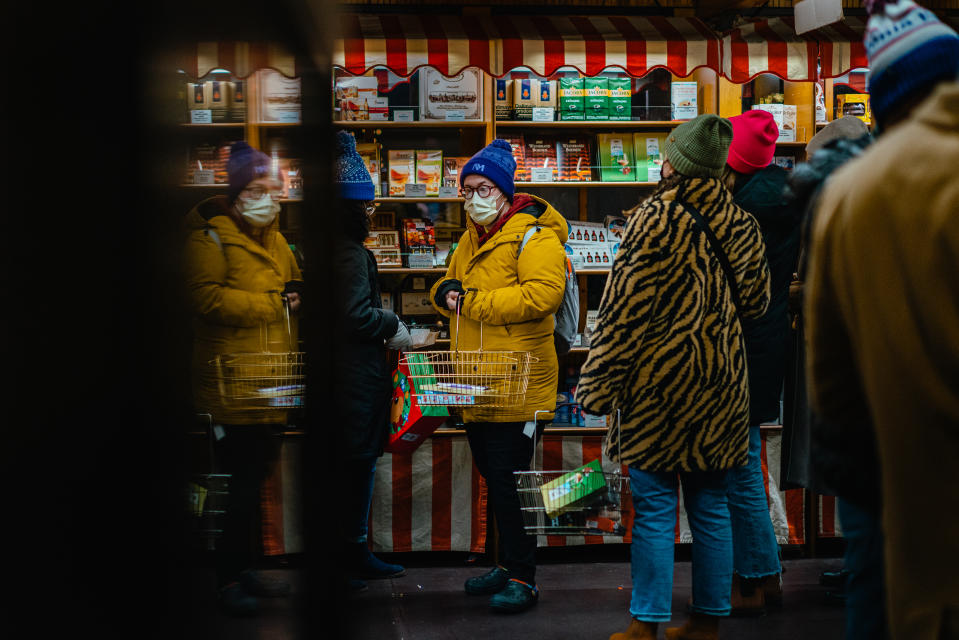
x=526, y=236
x=720, y=254
x=210, y=231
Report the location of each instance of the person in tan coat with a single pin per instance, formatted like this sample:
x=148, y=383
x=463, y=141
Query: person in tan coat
x=882, y=312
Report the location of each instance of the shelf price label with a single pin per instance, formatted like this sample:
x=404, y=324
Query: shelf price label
x=449, y=192
x=403, y=115
x=543, y=114
x=203, y=176
x=541, y=174
x=201, y=116
x=457, y=116
x=415, y=190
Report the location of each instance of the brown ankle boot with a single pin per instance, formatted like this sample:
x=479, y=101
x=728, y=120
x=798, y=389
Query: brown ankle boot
x=638, y=630
x=698, y=627
x=747, y=598
x=773, y=590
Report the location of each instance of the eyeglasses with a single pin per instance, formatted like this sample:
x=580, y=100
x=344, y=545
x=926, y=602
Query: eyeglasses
x=256, y=193
x=483, y=191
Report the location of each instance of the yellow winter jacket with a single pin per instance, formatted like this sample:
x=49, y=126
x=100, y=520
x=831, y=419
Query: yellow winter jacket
x=514, y=298
x=235, y=288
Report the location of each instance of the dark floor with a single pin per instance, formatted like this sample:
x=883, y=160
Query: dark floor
x=579, y=600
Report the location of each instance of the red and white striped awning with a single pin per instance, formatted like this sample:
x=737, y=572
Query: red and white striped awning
x=499, y=44
x=239, y=58
x=841, y=47
x=769, y=46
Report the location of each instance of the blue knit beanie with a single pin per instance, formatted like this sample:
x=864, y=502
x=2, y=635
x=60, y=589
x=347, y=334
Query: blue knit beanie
x=245, y=165
x=908, y=48
x=353, y=181
x=495, y=161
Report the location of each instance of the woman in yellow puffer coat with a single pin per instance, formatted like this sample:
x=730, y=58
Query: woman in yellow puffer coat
x=239, y=268
x=508, y=297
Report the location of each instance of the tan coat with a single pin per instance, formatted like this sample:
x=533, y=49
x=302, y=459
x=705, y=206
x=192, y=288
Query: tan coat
x=882, y=314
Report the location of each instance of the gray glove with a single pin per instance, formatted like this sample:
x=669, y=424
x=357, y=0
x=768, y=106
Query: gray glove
x=401, y=339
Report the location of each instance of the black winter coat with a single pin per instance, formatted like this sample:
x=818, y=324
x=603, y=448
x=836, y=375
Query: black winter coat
x=767, y=337
x=362, y=384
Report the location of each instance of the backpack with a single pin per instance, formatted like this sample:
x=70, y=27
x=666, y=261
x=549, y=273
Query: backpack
x=567, y=316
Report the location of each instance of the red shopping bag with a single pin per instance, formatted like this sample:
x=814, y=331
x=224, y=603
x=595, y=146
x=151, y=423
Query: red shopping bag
x=412, y=421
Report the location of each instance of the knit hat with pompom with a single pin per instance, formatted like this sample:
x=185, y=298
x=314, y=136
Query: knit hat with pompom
x=352, y=178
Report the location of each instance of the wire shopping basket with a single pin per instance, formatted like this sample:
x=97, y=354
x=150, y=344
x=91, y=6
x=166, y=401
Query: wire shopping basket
x=584, y=501
x=264, y=380
x=455, y=378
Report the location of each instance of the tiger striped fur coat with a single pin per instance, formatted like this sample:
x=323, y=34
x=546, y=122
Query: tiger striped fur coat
x=668, y=350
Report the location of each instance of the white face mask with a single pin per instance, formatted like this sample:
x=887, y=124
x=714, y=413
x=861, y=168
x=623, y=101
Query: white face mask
x=259, y=213
x=483, y=211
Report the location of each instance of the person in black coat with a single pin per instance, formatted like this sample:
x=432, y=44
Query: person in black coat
x=757, y=187
x=362, y=385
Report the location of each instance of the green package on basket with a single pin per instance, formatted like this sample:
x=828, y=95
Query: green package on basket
x=575, y=489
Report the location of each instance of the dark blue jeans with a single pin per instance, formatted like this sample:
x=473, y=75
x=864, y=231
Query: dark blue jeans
x=755, y=548
x=362, y=472
x=865, y=588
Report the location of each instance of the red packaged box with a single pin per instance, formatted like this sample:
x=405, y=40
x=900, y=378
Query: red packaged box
x=412, y=421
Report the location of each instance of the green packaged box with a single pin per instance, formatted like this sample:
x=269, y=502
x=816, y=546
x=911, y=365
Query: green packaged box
x=572, y=115
x=572, y=97
x=597, y=98
x=620, y=98
x=648, y=151
x=616, y=157
x=575, y=489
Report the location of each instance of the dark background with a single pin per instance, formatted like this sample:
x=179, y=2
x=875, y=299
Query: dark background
x=97, y=399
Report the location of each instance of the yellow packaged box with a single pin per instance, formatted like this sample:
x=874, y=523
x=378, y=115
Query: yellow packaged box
x=855, y=104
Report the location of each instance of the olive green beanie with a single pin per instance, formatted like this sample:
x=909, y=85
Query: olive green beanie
x=698, y=148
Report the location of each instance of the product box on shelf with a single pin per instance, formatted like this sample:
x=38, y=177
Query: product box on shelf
x=597, y=98
x=354, y=95
x=370, y=152
x=503, y=104
x=683, y=100
x=385, y=247
x=785, y=117
x=588, y=246
x=416, y=303
x=648, y=149
x=237, y=101
x=411, y=419
x=429, y=170
x=525, y=96
x=452, y=165
x=443, y=98
x=572, y=98
x=592, y=317
x=615, y=228
x=786, y=162
x=575, y=489
x=419, y=238
x=279, y=97
x=197, y=95
x=540, y=157
x=574, y=157
x=220, y=100
x=517, y=143
x=615, y=157
x=402, y=170
x=546, y=94
x=620, y=98
x=820, y=103
x=855, y=104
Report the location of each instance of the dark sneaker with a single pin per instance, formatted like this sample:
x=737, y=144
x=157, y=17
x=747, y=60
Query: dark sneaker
x=515, y=598
x=358, y=586
x=259, y=584
x=235, y=600
x=366, y=566
x=487, y=584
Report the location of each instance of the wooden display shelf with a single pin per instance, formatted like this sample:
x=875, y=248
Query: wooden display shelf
x=592, y=272
x=277, y=124
x=212, y=125
x=417, y=124
x=798, y=143
x=568, y=184
x=588, y=124
x=401, y=200
x=406, y=270
x=215, y=185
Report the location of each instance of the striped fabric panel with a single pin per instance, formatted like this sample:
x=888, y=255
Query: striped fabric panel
x=240, y=58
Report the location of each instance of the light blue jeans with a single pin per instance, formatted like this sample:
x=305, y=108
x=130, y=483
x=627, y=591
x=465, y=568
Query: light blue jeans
x=755, y=548
x=655, y=500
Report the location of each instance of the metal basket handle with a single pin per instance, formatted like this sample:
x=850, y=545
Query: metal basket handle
x=459, y=305
x=265, y=328
x=619, y=438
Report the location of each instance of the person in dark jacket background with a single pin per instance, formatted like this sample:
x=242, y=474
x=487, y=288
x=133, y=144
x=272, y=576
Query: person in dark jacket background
x=757, y=186
x=362, y=381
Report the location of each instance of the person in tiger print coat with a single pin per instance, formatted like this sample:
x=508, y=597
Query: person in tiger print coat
x=668, y=353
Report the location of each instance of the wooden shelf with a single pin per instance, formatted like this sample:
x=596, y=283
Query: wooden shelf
x=592, y=272
x=392, y=124
x=567, y=185
x=588, y=124
x=212, y=125
x=279, y=125
x=797, y=144
x=216, y=185
x=402, y=200
x=406, y=270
